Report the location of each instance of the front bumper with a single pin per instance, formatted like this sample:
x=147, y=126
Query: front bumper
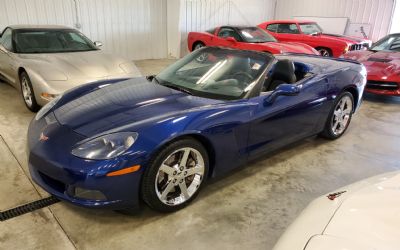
x=78, y=181
x=383, y=86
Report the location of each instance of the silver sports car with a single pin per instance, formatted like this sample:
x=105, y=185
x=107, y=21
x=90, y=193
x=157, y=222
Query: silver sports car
x=45, y=61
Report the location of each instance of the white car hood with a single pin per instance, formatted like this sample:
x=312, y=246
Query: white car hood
x=365, y=217
x=75, y=65
x=370, y=216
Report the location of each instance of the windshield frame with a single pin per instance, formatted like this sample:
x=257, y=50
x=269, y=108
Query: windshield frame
x=271, y=38
x=309, y=23
x=254, y=87
x=87, y=40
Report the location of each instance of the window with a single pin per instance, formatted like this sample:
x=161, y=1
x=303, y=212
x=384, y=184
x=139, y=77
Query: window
x=51, y=41
x=6, y=39
x=229, y=32
x=272, y=27
x=310, y=28
x=255, y=35
x=288, y=28
x=391, y=42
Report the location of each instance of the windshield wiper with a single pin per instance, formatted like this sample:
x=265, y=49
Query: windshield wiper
x=172, y=86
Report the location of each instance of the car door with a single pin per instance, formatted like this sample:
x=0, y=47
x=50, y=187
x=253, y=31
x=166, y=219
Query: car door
x=6, y=57
x=222, y=37
x=288, y=118
x=285, y=32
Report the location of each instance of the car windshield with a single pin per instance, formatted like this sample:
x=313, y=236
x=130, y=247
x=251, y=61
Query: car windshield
x=51, y=41
x=389, y=43
x=310, y=28
x=256, y=35
x=216, y=73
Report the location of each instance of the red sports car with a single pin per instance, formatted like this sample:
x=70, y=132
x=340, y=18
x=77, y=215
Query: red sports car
x=248, y=38
x=310, y=33
x=383, y=65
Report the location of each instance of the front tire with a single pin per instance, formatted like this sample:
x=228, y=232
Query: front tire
x=175, y=175
x=340, y=116
x=27, y=92
x=325, y=52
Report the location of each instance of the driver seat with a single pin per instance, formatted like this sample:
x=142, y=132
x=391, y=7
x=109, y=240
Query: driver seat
x=283, y=72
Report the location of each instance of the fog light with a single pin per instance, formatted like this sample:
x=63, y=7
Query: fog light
x=88, y=194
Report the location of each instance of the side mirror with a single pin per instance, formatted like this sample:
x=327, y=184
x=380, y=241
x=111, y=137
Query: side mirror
x=98, y=44
x=231, y=39
x=283, y=89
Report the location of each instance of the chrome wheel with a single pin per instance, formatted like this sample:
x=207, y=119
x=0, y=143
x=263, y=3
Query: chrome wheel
x=179, y=176
x=341, y=115
x=198, y=46
x=324, y=52
x=202, y=57
x=26, y=91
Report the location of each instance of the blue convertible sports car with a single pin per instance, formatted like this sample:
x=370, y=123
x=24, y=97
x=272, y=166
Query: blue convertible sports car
x=111, y=144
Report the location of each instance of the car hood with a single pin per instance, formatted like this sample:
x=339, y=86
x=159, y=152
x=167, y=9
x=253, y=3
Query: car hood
x=370, y=215
x=76, y=65
x=382, y=63
x=363, y=213
x=287, y=47
x=128, y=103
x=341, y=38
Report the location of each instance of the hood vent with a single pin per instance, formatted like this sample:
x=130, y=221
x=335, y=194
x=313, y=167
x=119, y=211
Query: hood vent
x=382, y=60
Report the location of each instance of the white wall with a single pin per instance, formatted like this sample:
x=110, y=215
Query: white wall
x=200, y=15
x=396, y=19
x=132, y=28
x=376, y=12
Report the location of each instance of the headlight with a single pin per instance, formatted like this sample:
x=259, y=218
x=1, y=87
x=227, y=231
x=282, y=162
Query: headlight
x=46, y=108
x=106, y=146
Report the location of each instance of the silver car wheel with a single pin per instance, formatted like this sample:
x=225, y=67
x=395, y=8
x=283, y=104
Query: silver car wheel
x=202, y=57
x=324, y=52
x=179, y=176
x=341, y=115
x=26, y=91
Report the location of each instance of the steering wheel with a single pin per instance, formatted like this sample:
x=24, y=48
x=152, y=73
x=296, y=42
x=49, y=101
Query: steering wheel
x=242, y=76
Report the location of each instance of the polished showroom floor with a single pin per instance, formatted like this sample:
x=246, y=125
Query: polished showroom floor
x=248, y=209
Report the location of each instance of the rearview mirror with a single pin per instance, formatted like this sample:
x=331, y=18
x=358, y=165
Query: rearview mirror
x=283, y=89
x=98, y=44
x=231, y=39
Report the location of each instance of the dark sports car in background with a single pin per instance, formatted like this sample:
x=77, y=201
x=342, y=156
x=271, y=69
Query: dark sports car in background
x=383, y=65
x=110, y=144
x=247, y=38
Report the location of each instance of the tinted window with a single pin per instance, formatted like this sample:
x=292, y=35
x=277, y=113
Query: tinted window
x=6, y=40
x=288, y=28
x=272, y=27
x=51, y=41
x=388, y=43
x=256, y=35
x=229, y=32
x=225, y=74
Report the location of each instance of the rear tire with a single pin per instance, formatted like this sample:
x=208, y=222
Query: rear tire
x=28, y=94
x=175, y=175
x=339, y=117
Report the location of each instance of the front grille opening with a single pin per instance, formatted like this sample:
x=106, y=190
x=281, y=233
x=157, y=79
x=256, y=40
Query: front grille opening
x=382, y=85
x=53, y=183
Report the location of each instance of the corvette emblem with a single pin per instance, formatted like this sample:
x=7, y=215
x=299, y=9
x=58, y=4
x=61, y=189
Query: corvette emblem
x=333, y=196
x=42, y=137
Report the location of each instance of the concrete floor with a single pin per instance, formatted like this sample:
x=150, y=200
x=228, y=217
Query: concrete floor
x=248, y=209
